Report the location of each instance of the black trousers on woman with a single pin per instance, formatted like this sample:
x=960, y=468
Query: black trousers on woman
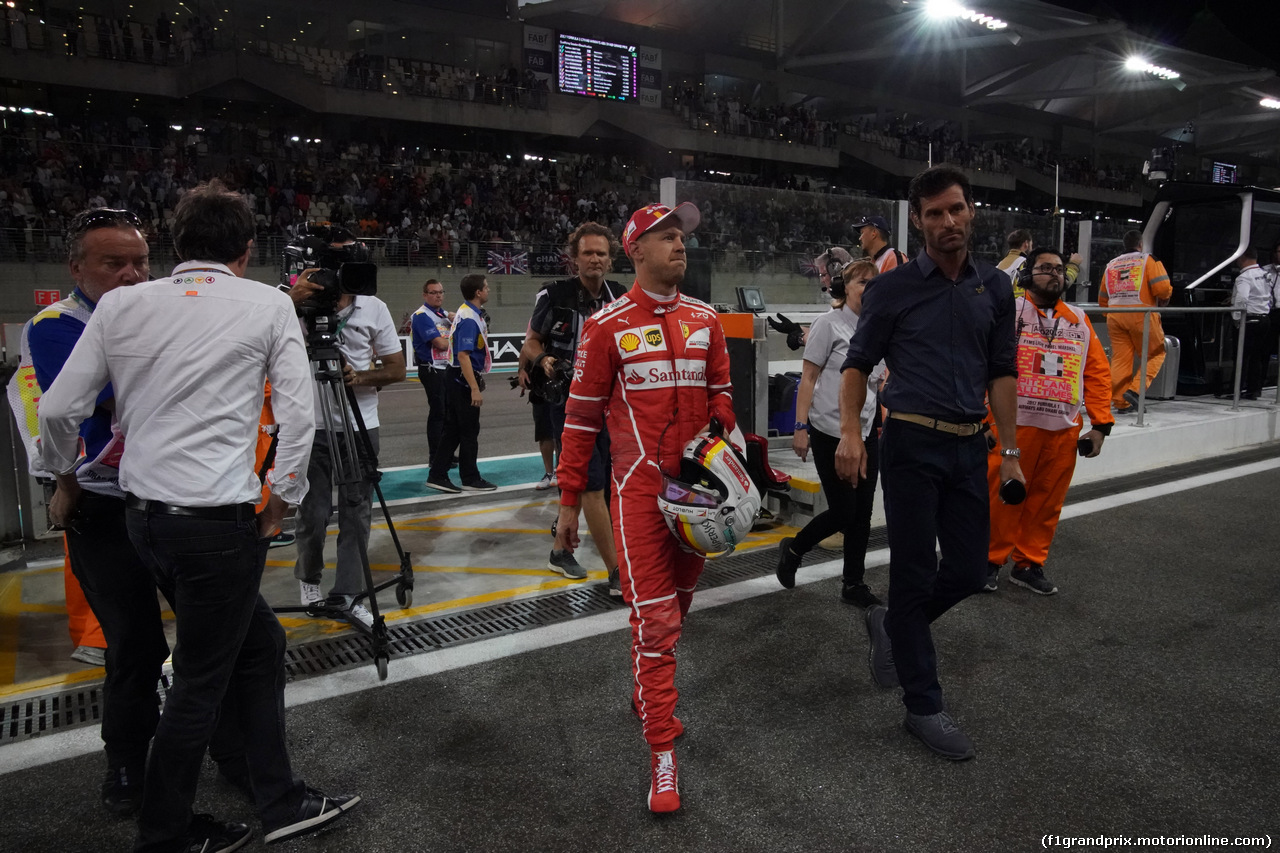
x=848, y=509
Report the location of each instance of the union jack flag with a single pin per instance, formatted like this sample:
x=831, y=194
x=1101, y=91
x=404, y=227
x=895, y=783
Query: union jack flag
x=809, y=268
x=508, y=263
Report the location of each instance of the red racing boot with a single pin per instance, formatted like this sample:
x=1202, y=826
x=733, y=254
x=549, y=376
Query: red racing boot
x=664, y=790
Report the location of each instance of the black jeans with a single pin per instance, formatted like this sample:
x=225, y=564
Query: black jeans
x=229, y=642
x=122, y=593
x=433, y=383
x=1257, y=352
x=935, y=495
x=461, y=435
x=848, y=509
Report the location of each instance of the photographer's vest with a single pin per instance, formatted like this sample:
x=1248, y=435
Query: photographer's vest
x=1123, y=280
x=101, y=472
x=1052, y=352
x=570, y=306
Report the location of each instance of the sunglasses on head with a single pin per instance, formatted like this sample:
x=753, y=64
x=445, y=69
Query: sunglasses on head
x=102, y=217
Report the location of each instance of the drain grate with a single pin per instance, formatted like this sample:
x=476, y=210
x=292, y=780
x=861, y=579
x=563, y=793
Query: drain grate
x=70, y=709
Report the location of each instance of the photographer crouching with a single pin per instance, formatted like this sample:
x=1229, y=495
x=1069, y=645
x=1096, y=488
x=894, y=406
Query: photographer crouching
x=332, y=285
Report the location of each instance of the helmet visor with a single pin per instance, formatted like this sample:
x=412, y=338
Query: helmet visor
x=687, y=494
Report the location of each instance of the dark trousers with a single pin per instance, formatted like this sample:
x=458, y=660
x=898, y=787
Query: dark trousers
x=935, y=494
x=122, y=593
x=228, y=641
x=848, y=509
x=1257, y=352
x=461, y=435
x=433, y=383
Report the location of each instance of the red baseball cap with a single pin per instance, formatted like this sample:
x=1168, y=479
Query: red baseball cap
x=650, y=217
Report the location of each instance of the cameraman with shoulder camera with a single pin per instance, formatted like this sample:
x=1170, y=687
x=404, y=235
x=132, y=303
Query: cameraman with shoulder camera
x=365, y=333
x=560, y=310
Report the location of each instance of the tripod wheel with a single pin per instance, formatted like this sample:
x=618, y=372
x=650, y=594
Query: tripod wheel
x=380, y=661
x=404, y=596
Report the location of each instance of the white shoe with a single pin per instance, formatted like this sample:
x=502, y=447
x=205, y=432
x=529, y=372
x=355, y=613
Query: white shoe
x=548, y=481
x=359, y=613
x=311, y=593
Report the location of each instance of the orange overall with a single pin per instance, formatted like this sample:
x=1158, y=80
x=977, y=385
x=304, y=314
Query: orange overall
x=1061, y=368
x=1131, y=280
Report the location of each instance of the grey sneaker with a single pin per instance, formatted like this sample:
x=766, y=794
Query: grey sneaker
x=993, y=579
x=91, y=655
x=615, y=582
x=883, y=672
x=1032, y=577
x=941, y=734
x=564, y=563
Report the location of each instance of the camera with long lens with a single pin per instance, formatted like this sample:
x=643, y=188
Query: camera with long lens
x=342, y=267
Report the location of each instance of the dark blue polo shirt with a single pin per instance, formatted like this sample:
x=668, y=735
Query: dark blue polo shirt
x=943, y=340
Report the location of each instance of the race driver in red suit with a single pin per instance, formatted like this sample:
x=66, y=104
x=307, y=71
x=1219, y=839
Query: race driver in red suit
x=654, y=365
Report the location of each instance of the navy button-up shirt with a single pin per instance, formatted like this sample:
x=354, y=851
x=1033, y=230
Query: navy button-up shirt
x=943, y=340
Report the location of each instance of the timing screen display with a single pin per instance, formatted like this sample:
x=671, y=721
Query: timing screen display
x=1224, y=173
x=598, y=69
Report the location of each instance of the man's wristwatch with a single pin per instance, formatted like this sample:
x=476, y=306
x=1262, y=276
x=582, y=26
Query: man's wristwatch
x=801, y=425
x=1016, y=453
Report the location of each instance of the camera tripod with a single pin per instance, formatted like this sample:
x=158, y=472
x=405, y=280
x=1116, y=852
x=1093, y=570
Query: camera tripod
x=350, y=467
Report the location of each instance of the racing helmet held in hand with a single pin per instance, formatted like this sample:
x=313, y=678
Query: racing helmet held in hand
x=711, y=505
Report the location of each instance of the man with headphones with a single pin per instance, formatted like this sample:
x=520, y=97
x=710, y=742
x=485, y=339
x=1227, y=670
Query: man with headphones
x=1062, y=368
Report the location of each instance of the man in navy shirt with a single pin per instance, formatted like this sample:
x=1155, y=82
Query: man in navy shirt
x=431, y=349
x=465, y=383
x=944, y=325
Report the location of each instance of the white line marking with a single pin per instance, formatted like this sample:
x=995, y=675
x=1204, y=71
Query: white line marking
x=84, y=741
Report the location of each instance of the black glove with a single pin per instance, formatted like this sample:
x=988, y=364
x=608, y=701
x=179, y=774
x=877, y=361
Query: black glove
x=790, y=328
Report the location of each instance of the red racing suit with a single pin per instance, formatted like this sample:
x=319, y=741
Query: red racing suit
x=656, y=372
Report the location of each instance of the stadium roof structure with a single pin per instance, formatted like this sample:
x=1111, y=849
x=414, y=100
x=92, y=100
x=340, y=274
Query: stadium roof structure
x=1004, y=59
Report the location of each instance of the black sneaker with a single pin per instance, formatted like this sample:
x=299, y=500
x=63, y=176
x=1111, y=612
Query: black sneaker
x=564, y=563
x=315, y=810
x=860, y=594
x=207, y=834
x=282, y=540
x=788, y=563
x=122, y=790
x=941, y=734
x=883, y=672
x=481, y=485
x=615, y=582
x=442, y=484
x=1032, y=577
x=1131, y=398
x=993, y=579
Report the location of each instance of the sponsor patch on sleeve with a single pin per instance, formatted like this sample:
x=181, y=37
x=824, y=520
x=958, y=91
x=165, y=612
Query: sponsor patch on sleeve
x=634, y=342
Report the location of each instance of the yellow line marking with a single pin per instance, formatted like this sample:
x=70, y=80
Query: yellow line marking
x=43, y=608
x=470, y=512
x=10, y=607
x=95, y=673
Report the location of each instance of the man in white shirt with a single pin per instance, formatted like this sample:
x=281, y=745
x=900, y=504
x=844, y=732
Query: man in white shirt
x=1252, y=293
x=188, y=358
x=366, y=334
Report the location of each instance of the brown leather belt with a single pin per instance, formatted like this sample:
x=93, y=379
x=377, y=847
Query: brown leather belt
x=962, y=430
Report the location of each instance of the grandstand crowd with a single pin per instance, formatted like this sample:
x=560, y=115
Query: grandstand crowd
x=420, y=203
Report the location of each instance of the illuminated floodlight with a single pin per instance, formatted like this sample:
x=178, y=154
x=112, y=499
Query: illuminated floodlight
x=1137, y=63
x=948, y=9
x=1270, y=103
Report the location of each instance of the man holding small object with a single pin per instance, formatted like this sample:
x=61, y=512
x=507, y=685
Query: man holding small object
x=943, y=323
x=1062, y=368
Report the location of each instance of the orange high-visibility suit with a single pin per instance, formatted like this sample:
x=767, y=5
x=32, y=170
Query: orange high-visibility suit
x=266, y=439
x=1131, y=280
x=82, y=624
x=1061, y=369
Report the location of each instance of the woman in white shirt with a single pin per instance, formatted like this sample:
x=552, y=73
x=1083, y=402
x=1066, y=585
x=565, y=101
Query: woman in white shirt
x=818, y=429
